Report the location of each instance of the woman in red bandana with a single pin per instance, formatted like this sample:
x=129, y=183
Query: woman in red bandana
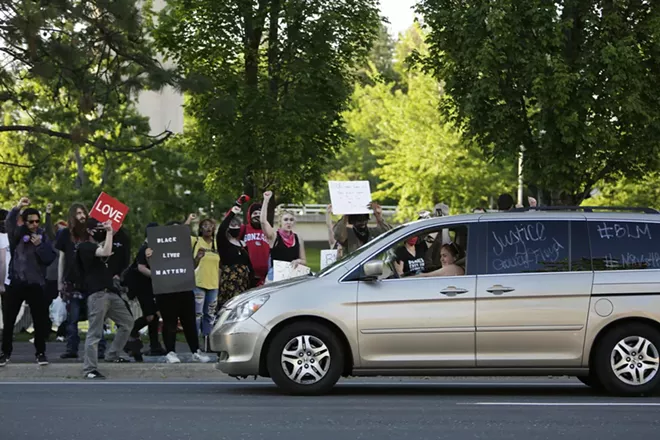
x=285, y=245
x=409, y=258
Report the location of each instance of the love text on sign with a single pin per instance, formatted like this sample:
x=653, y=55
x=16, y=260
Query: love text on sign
x=108, y=208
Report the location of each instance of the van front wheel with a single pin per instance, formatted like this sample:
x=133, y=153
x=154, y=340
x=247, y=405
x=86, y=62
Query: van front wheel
x=305, y=358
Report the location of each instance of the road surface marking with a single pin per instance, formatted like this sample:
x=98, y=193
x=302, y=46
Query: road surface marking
x=561, y=404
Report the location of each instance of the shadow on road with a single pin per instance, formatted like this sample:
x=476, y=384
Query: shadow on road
x=444, y=390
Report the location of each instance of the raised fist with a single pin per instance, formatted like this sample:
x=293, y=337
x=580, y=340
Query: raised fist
x=268, y=195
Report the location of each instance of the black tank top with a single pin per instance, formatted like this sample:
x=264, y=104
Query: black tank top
x=282, y=253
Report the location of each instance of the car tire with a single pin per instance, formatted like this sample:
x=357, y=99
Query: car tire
x=317, y=370
x=636, y=343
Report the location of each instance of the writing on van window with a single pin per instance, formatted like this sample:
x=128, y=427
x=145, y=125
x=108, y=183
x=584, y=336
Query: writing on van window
x=630, y=260
x=615, y=231
x=524, y=247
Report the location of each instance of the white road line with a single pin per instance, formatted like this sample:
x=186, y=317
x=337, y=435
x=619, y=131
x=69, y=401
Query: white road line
x=560, y=404
x=341, y=384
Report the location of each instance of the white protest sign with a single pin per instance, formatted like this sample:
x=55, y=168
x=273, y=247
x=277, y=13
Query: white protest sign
x=328, y=257
x=283, y=270
x=350, y=197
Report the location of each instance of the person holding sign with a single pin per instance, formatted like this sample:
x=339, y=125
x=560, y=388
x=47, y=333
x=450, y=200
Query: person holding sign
x=285, y=245
x=236, y=274
x=104, y=300
x=351, y=238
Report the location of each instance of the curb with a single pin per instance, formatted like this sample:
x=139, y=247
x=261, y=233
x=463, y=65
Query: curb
x=113, y=371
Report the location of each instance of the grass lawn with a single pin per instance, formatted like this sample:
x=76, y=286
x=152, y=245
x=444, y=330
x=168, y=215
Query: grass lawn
x=313, y=258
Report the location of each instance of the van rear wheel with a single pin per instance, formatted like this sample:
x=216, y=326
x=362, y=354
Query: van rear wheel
x=627, y=360
x=305, y=358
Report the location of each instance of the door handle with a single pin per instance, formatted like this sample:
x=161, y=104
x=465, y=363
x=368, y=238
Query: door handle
x=499, y=289
x=453, y=290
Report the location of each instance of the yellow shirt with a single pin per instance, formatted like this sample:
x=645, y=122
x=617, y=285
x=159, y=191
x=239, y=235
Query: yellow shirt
x=207, y=274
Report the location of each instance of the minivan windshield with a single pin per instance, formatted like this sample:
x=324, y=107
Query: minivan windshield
x=365, y=248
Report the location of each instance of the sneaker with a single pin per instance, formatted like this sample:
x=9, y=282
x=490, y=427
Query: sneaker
x=172, y=358
x=4, y=359
x=31, y=341
x=199, y=357
x=94, y=375
x=68, y=355
x=42, y=359
x=134, y=349
x=60, y=339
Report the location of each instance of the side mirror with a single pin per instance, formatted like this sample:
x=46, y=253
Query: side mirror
x=372, y=270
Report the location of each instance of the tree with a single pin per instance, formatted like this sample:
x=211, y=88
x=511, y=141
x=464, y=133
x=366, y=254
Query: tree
x=643, y=191
x=268, y=81
x=71, y=70
x=571, y=81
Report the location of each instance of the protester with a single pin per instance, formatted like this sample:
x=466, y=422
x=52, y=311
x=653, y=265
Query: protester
x=256, y=243
x=141, y=287
x=104, y=301
x=51, y=289
x=175, y=307
x=69, y=278
x=505, y=203
x=360, y=233
x=5, y=257
x=32, y=252
x=236, y=273
x=285, y=245
x=207, y=278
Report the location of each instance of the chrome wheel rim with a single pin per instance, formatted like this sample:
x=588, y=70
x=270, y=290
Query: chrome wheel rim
x=305, y=359
x=635, y=361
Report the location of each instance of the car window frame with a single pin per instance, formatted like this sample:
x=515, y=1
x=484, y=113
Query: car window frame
x=354, y=274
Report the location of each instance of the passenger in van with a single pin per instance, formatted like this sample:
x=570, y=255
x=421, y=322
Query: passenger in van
x=410, y=257
x=448, y=255
x=351, y=238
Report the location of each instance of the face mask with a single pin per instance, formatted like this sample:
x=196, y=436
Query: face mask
x=411, y=241
x=234, y=232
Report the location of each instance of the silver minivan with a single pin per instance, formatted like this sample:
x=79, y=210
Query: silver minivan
x=537, y=292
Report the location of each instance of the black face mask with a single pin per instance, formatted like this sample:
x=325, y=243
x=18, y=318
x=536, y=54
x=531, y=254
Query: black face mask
x=362, y=232
x=234, y=232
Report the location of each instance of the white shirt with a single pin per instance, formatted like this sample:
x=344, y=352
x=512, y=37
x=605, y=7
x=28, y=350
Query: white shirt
x=4, y=247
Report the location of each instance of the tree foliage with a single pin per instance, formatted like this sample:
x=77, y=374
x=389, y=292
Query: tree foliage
x=268, y=81
x=572, y=81
x=411, y=155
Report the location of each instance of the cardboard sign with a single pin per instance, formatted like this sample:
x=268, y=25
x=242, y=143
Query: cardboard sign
x=172, y=266
x=283, y=270
x=328, y=257
x=107, y=208
x=351, y=197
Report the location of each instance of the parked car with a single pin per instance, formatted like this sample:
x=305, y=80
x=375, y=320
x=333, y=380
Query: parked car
x=545, y=292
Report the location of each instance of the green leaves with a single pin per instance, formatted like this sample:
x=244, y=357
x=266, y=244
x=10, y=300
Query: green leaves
x=568, y=80
x=276, y=78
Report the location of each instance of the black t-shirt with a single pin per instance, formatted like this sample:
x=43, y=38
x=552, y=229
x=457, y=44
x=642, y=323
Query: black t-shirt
x=412, y=264
x=65, y=244
x=96, y=273
x=121, y=252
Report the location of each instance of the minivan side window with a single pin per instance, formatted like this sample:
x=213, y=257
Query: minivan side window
x=624, y=245
x=527, y=246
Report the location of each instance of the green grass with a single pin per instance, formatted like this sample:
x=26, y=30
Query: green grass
x=313, y=258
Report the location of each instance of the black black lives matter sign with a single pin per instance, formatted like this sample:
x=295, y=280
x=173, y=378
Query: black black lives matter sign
x=172, y=266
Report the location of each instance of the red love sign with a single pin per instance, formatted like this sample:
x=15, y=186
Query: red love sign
x=107, y=208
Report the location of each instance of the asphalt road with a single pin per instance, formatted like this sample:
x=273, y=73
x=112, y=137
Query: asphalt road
x=376, y=409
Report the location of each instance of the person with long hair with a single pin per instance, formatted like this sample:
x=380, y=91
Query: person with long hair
x=285, y=244
x=236, y=274
x=449, y=254
x=207, y=277
x=69, y=279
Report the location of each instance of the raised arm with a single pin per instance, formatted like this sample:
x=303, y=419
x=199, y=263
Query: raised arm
x=268, y=229
x=221, y=237
x=106, y=249
x=48, y=227
x=340, y=231
x=11, y=222
x=378, y=214
x=328, y=222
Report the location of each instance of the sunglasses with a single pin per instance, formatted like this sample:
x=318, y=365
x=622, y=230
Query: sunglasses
x=32, y=222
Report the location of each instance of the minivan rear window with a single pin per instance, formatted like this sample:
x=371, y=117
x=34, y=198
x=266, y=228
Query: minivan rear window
x=624, y=245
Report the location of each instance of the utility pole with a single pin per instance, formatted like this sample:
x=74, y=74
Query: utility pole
x=520, y=175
